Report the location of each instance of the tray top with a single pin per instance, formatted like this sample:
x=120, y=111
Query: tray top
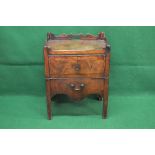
x=82, y=45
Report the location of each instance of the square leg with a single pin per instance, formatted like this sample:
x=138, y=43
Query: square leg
x=48, y=99
x=99, y=97
x=105, y=100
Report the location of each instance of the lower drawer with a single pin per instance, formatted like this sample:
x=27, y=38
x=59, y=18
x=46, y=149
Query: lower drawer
x=76, y=88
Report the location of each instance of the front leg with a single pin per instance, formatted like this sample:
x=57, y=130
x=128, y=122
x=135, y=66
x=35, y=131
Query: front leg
x=48, y=99
x=106, y=82
x=105, y=99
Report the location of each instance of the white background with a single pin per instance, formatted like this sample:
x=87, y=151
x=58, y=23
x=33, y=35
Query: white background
x=77, y=142
x=77, y=13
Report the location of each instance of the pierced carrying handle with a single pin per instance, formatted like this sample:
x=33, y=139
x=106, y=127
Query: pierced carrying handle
x=77, y=87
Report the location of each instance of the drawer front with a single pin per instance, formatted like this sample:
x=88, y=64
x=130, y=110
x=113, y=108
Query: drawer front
x=68, y=66
x=77, y=88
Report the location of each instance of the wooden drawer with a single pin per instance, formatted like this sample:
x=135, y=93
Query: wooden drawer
x=73, y=66
x=77, y=88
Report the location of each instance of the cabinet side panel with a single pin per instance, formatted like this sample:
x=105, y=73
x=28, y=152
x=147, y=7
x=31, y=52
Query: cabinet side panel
x=107, y=64
x=46, y=62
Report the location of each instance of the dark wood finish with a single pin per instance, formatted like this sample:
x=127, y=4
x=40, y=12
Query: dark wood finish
x=77, y=88
x=63, y=66
x=77, y=65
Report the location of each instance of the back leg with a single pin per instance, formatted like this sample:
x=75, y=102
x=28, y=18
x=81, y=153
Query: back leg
x=99, y=97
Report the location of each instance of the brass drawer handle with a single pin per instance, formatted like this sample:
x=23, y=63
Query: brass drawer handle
x=77, y=67
x=82, y=85
x=77, y=87
x=72, y=85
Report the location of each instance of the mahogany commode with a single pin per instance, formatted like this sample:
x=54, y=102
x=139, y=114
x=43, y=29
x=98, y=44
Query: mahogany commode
x=77, y=65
